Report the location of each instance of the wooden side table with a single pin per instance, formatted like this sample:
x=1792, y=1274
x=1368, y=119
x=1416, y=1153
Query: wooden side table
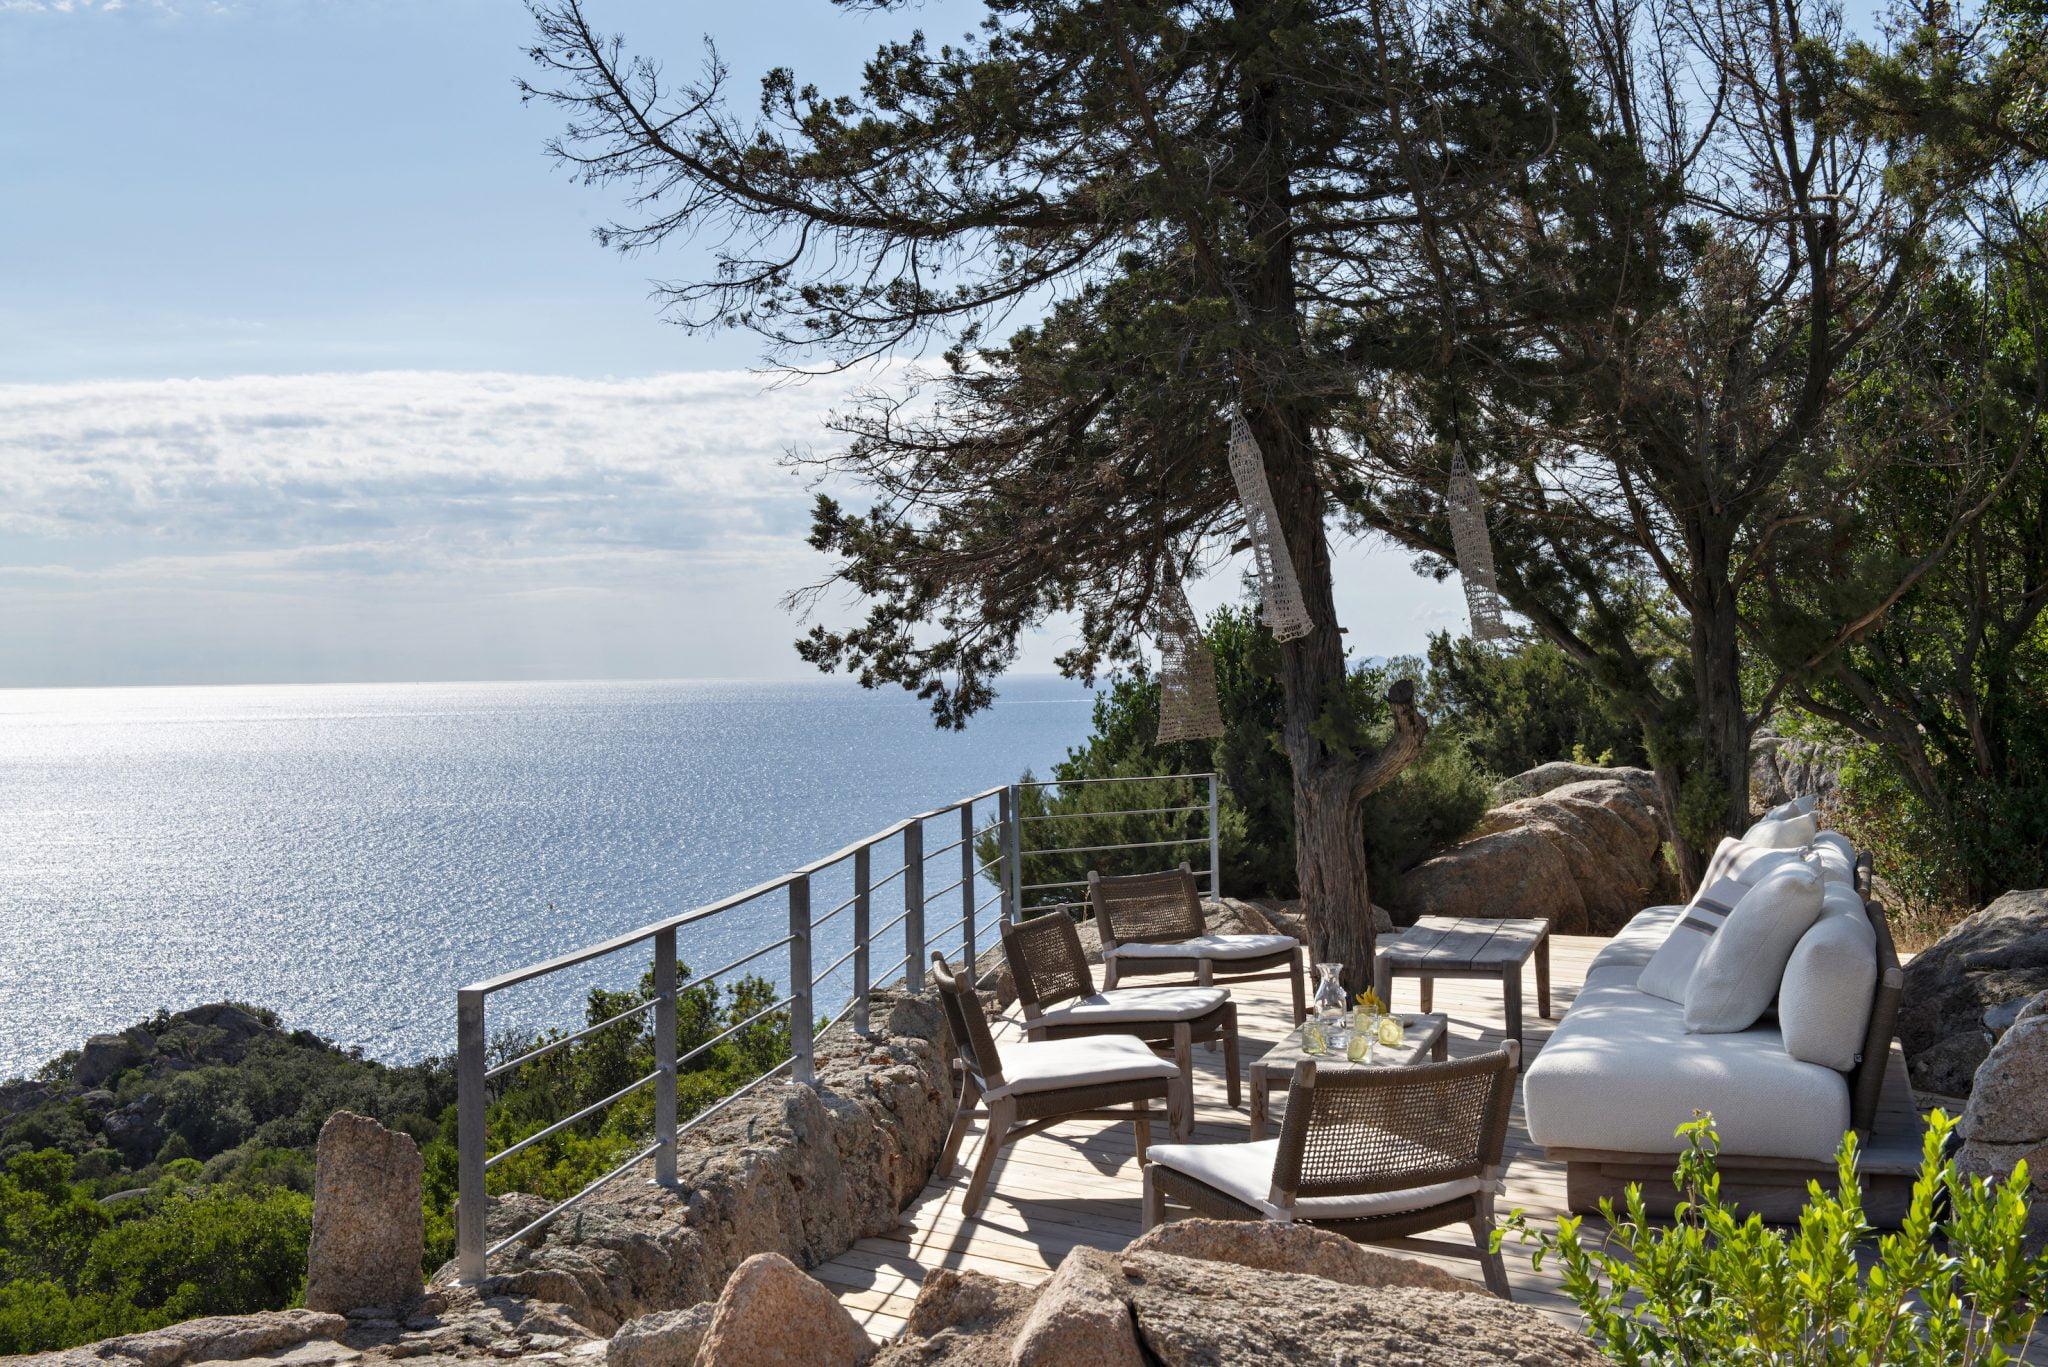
x=1420, y=1034
x=1469, y=947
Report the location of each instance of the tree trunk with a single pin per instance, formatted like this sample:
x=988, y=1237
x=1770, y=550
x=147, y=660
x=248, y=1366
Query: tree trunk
x=1717, y=687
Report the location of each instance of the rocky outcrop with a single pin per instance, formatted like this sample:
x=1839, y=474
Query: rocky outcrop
x=787, y=1169
x=106, y=1057
x=368, y=1231
x=1225, y=916
x=1986, y=962
x=2006, y=1121
x=1585, y=853
x=1205, y=1292
x=1781, y=768
x=772, y=1315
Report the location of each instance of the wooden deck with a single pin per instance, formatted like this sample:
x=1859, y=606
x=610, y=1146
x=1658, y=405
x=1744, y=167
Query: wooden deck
x=1078, y=1183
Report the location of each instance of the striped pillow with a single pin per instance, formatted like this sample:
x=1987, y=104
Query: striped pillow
x=1670, y=968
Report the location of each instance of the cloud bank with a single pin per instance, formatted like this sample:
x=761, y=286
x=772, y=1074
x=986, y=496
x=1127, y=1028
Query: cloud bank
x=404, y=496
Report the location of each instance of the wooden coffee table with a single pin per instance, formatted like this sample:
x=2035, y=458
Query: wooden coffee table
x=1468, y=947
x=1420, y=1034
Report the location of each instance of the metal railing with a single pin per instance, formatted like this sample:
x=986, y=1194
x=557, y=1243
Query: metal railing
x=961, y=828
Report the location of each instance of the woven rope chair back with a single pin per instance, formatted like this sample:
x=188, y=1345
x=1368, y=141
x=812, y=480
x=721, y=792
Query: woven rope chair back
x=968, y=1022
x=1146, y=908
x=1047, y=960
x=1364, y=1130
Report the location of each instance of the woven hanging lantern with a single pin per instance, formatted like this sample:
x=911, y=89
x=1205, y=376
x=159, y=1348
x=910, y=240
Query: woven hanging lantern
x=1284, y=611
x=1187, y=671
x=1475, y=553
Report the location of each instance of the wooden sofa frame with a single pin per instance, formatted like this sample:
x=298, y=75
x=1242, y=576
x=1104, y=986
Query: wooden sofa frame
x=1775, y=1188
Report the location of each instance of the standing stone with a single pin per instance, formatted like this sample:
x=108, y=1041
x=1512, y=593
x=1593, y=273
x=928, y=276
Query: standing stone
x=368, y=1230
x=666, y=1338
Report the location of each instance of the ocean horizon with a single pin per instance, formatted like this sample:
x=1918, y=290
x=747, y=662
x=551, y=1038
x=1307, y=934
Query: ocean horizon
x=350, y=854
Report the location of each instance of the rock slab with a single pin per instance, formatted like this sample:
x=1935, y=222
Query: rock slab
x=666, y=1338
x=772, y=1315
x=368, y=1231
x=1986, y=962
x=1270, y=1247
x=1192, y=1313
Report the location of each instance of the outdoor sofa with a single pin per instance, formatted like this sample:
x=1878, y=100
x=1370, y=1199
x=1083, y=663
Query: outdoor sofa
x=1621, y=1071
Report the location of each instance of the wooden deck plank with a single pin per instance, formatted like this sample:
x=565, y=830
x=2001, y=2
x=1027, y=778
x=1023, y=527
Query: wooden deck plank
x=1078, y=1185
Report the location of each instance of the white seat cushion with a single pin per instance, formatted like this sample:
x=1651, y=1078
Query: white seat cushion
x=1045, y=1065
x=1621, y=1074
x=1245, y=1172
x=1125, y=1004
x=1209, y=947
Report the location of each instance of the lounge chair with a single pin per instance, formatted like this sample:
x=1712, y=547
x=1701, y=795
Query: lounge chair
x=1376, y=1154
x=1151, y=924
x=1035, y=1085
x=1056, y=989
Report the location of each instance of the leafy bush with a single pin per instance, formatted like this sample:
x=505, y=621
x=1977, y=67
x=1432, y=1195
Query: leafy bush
x=1434, y=800
x=1954, y=1286
x=71, y=1270
x=1516, y=709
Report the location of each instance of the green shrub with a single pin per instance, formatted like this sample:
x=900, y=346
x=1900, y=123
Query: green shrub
x=1953, y=1286
x=1518, y=708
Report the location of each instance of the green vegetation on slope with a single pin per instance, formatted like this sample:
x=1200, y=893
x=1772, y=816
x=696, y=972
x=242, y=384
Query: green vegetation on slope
x=167, y=1172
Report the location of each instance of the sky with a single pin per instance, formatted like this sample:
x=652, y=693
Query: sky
x=310, y=370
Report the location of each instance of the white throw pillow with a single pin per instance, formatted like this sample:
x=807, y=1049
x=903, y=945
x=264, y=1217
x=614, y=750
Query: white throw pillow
x=1791, y=833
x=1744, y=863
x=1832, y=863
x=1824, y=998
x=1737, y=976
x=1670, y=968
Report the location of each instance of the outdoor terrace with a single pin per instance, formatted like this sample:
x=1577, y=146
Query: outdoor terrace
x=1079, y=1184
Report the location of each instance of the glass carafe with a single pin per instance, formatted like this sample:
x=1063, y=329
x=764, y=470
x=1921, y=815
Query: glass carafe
x=1330, y=1002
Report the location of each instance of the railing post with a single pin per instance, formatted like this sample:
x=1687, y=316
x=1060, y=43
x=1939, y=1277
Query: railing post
x=967, y=863
x=469, y=1135
x=803, y=1020
x=665, y=1056
x=1215, y=846
x=913, y=905
x=1013, y=884
x=862, y=962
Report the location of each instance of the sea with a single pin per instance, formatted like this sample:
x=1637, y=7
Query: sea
x=350, y=855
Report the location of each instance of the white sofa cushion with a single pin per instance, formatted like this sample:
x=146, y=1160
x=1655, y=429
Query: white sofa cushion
x=1824, y=996
x=1245, y=1172
x=1208, y=947
x=1636, y=942
x=1122, y=1005
x=1620, y=1073
x=1737, y=976
x=1669, y=970
x=1787, y=833
x=1045, y=1065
